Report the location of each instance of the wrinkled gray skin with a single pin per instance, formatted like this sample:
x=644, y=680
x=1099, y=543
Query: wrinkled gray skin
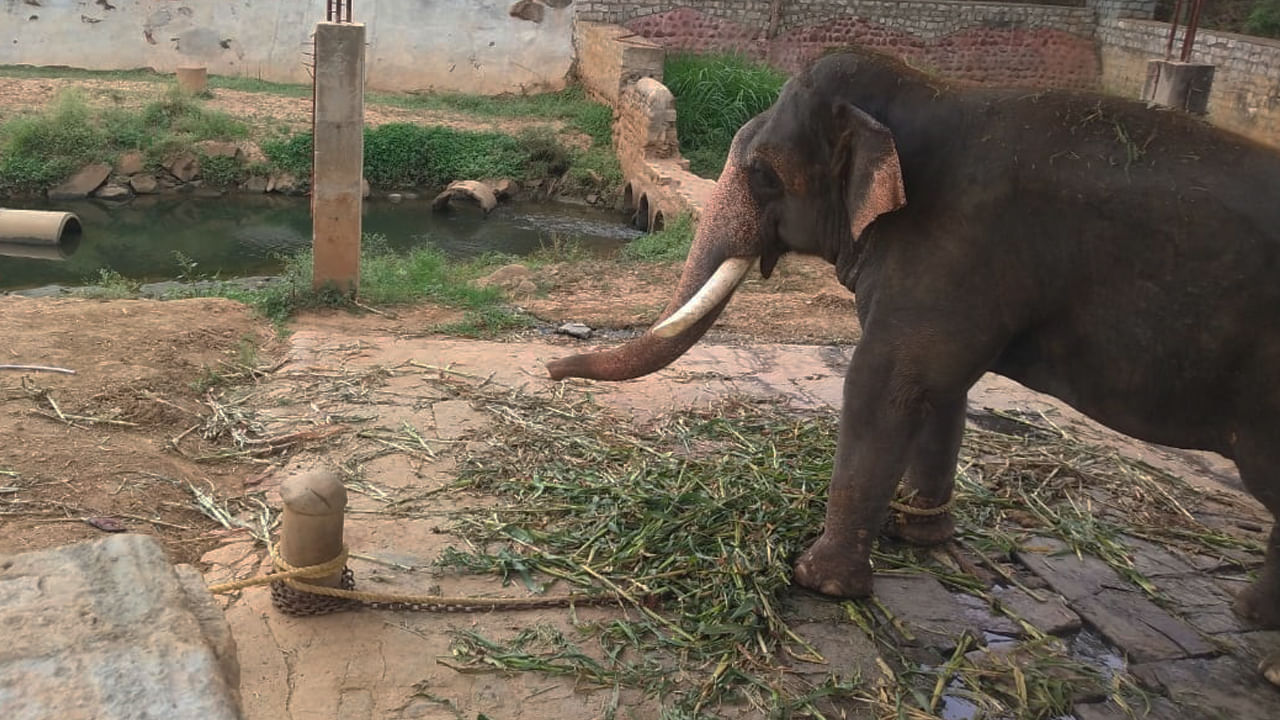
x=1122, y=259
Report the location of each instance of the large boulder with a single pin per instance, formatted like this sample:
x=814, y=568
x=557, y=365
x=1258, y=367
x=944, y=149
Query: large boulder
x=88, y=179
x=131, y=163
x=515, y=279
x=185, y=167
x=109, y=629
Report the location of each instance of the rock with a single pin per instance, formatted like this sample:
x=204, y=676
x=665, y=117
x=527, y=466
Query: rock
x=525, y=290
x=395, y=197
x=1142, y=629
x=593, y=198
x=113, y=191
x=505, y=188
x=1051, y=617
x=131, y=163
x=507, y=277
x=110, y=629
x=1221, y=687
x=578, y=330
x=185, y=167
x=932, y=615
x=472, y=189
x=255, y=184
x=528, y=10
x=1071, y=576
x=220, y=148
x=284, y=183
x=82, y=183
x=143, y=184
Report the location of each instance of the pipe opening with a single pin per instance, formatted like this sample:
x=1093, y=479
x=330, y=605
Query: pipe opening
x=40, y=234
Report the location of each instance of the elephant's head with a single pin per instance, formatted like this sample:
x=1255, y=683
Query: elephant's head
x=807, y=176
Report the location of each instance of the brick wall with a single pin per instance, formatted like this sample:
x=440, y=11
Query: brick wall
x=979, y=43
x=609, y=57
x=1246, y=82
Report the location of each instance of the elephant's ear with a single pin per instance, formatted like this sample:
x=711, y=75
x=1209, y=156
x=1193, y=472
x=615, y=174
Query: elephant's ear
x=867, y=164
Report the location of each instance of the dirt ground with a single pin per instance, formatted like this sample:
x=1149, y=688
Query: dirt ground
x=145, y=372
x=265, y=113
x=183, y=418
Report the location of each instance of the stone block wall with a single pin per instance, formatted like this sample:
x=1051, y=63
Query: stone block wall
x=659, y=184
x=1246, y=84
x=609, y=58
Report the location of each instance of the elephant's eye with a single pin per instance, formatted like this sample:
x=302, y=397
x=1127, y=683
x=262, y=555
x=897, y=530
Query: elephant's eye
x=763, y=179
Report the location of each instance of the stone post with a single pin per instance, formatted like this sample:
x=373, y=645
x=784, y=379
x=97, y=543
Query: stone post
x=337, y=172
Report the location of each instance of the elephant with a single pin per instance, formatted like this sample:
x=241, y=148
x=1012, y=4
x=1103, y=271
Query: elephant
x=1122, y=258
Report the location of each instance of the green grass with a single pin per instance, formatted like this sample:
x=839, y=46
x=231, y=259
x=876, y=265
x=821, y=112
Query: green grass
x=671, y=244
x=388, y=278
x=47, y=147
x=693, y=520
x=715, y=95
x=409, y=155
x=42, y=149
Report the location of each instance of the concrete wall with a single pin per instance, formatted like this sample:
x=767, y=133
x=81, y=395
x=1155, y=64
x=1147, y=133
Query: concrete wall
x=474, y=46
x=1246, y=82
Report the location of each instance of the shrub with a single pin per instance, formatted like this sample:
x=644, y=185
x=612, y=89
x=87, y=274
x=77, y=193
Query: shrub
x=715, y=95
x=1264, y=19
x=222, y=170
x=291, y=153
x=42, y=149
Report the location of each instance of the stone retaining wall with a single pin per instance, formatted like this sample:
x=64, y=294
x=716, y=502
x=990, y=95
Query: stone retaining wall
x=659, y=184
x=1246, y=82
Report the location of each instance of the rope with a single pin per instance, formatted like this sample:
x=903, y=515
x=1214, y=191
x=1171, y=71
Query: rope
x=923, y=512
x=289, y=575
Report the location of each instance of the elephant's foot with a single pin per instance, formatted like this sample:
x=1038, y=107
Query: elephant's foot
x=1270, y=668
x=832, y=568
x=1260, y=604
x=921, y=526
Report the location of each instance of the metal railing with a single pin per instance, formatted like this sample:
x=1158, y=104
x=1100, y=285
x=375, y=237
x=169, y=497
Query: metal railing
x=333, y=10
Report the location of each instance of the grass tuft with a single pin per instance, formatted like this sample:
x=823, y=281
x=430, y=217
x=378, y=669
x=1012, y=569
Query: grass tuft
x=715, y=95
x=670, y=244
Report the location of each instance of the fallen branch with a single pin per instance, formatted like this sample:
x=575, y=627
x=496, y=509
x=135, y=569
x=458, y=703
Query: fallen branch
x=70, y=419
x=38, y=368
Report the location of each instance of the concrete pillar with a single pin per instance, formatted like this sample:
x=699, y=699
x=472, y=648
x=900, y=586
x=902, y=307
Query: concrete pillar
x=338, y=131
x=1178, y=85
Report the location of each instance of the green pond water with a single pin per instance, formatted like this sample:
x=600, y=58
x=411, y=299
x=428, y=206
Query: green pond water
x=241, y=235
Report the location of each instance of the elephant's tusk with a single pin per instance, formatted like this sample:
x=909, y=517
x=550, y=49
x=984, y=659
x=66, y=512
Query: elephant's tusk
x=721, y=285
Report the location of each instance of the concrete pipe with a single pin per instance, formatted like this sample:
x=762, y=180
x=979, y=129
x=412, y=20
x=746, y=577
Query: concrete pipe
x=41, y=234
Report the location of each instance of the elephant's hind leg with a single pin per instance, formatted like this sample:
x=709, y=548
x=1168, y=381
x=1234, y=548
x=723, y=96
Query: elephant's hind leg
x=1258, y=459
x=922, y=515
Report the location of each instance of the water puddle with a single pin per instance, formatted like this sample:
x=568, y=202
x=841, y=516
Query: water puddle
x=150, y=238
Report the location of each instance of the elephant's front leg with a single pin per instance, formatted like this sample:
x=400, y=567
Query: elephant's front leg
x=882, y=413
x=924, y=516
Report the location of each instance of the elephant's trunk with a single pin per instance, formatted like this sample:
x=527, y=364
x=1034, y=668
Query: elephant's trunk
x=722, y=253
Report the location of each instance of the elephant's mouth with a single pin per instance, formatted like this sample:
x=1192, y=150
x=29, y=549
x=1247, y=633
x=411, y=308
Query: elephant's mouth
x=714, y=291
